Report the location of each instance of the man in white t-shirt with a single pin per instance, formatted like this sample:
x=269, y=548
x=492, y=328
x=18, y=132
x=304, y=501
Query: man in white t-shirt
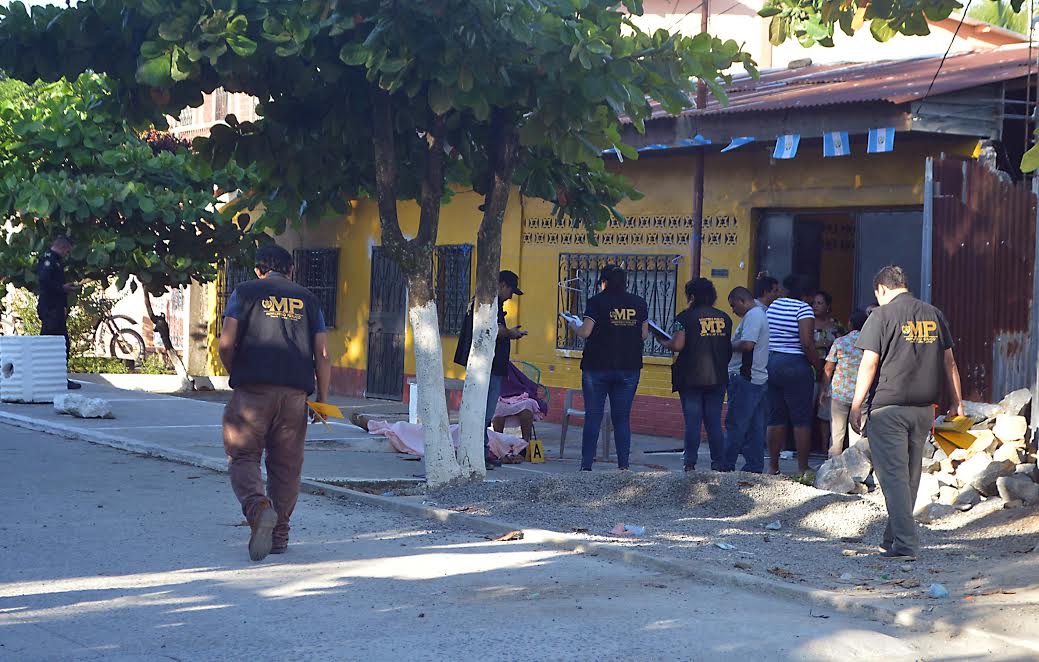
x=748, y=385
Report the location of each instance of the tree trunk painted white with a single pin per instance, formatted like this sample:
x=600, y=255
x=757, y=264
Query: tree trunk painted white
x=441, y=466
x=474, y=395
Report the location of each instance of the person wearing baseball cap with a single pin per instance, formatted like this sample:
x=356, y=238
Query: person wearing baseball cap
x=508, y=285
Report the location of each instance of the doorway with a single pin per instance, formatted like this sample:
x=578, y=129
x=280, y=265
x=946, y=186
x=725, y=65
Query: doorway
x=840, y=251
x=386, y=324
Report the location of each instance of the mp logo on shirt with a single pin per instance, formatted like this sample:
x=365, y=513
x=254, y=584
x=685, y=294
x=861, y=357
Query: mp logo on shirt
x=923, y=332
x=623, y=316
x=712, y=326
x=286, y=308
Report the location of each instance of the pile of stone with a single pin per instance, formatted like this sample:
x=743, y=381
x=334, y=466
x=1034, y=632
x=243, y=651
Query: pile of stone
x=995, y=462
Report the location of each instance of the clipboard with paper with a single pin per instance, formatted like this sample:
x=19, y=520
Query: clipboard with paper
x=657, y=330
x=325, y=411
x=571, y=318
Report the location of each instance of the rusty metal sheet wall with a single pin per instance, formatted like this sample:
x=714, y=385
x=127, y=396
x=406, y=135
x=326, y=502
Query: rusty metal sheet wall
x=983, y=256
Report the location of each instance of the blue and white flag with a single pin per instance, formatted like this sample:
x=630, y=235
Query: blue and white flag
x=738, y=141
x=881, y=140
x=786, y=146
x=654, y=146
x=835, y=143
x=695, y=141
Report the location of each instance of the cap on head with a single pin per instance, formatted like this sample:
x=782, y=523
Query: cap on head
x=510, y=279
x=273, y=258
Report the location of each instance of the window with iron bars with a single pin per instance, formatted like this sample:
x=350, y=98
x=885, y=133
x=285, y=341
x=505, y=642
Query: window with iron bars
x=231, y=276
x=219, y=104
x=652, y=277
x=452, y=280
x=317, y=269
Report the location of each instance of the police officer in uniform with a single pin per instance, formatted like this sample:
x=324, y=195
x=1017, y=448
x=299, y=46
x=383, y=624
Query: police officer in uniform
x=907, y=359
x=273, y=343
x=52, y=298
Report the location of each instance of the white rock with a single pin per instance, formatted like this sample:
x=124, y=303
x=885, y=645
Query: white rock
x=960, y=455
x=82, y=407
x=981, y=409
x=834, y=479
x=947, y=495
x=1010, y=428
x=857, y=462
x=1014, y=452
x=947, y=479
x=1017, y=487
x=933, y=512
x=981, y=471
x=984, y=442
x=928, y=491
x=967, y=497
x=1028, y=469
x=1016, y=401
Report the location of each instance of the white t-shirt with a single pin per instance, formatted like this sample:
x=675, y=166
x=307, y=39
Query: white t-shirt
x=753, y=327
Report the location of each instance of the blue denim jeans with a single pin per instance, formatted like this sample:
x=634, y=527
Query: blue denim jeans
x=702, y=407
x=619, y=386
x=745, y=425
x=493, y=393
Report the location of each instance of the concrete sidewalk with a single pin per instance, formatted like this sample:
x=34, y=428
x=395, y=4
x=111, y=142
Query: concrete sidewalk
x=191, y=425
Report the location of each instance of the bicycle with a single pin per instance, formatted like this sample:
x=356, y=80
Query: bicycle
x=113, y=340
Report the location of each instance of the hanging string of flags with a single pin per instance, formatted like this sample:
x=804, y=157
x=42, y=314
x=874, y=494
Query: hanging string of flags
x=835, y=143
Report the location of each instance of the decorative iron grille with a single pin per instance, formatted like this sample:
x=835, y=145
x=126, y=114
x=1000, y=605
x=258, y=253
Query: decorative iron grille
x=231, y=276
x=652, y=277
x=452, y=274
x=317, y=269
x=219, y=104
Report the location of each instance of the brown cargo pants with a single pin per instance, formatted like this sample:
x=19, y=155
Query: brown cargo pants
x=260, y=418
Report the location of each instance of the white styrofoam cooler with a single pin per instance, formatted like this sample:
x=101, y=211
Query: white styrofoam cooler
x=32, y=368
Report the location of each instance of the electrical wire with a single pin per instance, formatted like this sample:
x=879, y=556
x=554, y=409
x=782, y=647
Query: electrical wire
x=952, y=42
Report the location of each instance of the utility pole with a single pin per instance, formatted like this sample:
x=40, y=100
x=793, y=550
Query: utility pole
x=696, y=236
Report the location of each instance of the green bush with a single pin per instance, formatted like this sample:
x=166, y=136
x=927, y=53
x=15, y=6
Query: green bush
x=82, y=319
x=96, y=365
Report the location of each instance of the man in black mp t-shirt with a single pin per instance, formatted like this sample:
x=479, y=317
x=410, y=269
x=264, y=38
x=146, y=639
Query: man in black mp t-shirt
x=907, y=358
x=273, y=343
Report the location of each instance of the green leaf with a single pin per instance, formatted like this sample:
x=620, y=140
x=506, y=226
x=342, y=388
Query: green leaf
x=354, y=54
x=393, y=65
x=881, y=30
x=1030, y=160
x=440, y=99
x=241, y=45
x=156, y=72
x=768, y=11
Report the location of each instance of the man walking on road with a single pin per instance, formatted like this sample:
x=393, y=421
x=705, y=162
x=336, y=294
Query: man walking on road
x=53, y=297
x=272, y=343
x=907, y=356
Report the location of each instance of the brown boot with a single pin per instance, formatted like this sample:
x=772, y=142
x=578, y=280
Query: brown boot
x=261, y=540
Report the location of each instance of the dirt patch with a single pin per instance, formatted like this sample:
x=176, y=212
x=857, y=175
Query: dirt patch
x=826, y=540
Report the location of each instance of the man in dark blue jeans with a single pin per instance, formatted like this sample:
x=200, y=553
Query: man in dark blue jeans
x=614, y=328
x=748, y=385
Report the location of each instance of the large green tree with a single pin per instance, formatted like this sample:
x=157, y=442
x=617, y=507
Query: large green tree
x=399, y=101
x=70, y=163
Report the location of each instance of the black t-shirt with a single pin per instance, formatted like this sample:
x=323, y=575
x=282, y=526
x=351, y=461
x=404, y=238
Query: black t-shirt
x=277, y=322
x=502, y=346
x=616, y=340
x=911, y=338
x=704, y=360
x=50, y=273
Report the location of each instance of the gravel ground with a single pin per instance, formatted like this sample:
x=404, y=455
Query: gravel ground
x=823, y=536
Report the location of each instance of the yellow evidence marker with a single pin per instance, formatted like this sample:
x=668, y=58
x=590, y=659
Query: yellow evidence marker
x=535, y=452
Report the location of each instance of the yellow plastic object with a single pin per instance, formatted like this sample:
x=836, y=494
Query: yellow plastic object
x=535, y=452
x=955, y=439
x=326, y=410
x=955, y=424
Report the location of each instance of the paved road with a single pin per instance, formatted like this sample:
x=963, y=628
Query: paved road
x=107, y=555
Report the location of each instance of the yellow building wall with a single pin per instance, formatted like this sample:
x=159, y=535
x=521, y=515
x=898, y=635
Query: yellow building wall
x=738, y=185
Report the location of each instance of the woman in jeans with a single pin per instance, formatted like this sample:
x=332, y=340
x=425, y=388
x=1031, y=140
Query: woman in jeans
x=700, y=371
x=614, y=328
x=791, y=373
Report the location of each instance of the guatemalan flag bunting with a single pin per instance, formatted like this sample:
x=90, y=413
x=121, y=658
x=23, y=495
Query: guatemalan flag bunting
x=786, y=146
x=881, y=140
x=835, y=143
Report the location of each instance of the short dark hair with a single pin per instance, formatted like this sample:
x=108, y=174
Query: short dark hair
x=701, y=292
x=741, y=293
x=764, y=285
x=616, y=278
x=892, y=277
x=827, y=297
x=273, y=258
x=857, y=319
x=797, y=286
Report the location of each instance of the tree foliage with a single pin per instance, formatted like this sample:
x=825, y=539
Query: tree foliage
x=70, y=163
x=814, y=21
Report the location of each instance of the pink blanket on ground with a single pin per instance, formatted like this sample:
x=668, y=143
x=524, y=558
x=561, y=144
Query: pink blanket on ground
x=406, y=438
x=510, y=409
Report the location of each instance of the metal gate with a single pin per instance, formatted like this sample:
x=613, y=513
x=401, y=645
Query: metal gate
x=389, y=297
x=979, y=256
